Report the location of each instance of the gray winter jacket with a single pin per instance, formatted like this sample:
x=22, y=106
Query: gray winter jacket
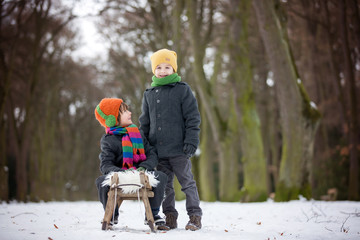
x=170, y=118
x=111, y=155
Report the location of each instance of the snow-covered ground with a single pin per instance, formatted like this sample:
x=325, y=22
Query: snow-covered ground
x=264, y=221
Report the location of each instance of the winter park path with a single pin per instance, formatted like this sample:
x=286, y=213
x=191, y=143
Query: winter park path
x=264, y=221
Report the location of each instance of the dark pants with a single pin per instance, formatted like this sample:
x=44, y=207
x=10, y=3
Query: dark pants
x=179, y=166
x=155, y=202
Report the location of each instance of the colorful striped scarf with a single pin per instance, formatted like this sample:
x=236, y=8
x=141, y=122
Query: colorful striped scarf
x=132, y=144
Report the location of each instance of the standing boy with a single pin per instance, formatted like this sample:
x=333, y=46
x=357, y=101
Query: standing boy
x=122, y=148
x=170, y=120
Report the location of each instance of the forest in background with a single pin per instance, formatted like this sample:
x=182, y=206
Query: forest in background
x=276, y=82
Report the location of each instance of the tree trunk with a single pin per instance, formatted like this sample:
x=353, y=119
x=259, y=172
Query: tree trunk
x=200, y=34
x=4, y=169
x=207, y=187
x=228, y=167
x=255, y=184
x=20, y=146
x=298, y=119
x=199, y=46
x=351, y=86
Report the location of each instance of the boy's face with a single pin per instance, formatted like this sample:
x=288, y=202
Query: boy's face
x=163, y=70
x=125, y=118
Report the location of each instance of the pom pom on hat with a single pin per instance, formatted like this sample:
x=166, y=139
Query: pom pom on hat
x=107, y=111
x=163, y=56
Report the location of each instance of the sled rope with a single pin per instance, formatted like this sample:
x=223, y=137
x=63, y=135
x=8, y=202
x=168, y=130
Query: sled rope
x=113, y=217
x=126, y=184
x=138, y=193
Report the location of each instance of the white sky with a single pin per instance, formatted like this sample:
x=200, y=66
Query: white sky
x=92, y=43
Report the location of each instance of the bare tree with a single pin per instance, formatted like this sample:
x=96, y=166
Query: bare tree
x=241, y=74
x=23, y=53
x=298, y=119
x=353, y=111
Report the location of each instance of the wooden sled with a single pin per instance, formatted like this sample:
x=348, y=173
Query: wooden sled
x=144, y=194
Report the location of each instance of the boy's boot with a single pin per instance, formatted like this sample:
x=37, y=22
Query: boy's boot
x=171, y=221
x=194, y=223
x=114, y=220
x=160, y=223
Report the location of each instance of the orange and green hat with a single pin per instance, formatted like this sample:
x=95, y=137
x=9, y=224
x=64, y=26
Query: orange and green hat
x=107, y=111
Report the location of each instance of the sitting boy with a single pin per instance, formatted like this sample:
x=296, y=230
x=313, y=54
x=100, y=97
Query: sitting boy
x=122, y=148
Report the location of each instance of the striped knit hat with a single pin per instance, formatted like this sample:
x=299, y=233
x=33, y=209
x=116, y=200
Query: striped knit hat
x=107, y=111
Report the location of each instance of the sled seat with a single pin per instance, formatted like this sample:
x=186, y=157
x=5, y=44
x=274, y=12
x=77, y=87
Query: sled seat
x=144, y=194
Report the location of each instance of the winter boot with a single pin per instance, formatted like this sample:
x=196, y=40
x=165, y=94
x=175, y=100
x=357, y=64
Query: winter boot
x=114, y=220
x=160, y=223
x=194, y=223
x=171, y=221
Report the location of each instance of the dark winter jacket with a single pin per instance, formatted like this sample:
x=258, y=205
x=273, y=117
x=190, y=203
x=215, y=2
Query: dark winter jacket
x=111, y=156
x=170, y=118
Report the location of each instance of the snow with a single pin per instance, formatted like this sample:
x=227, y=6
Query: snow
x=269, y=220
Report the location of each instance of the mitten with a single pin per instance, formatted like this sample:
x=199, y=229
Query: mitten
x=141, y=169
x=189, y=150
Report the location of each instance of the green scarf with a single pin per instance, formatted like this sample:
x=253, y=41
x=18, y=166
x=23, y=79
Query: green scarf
x=165, y=80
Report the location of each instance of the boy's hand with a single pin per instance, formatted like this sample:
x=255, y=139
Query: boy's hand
x=189, y=150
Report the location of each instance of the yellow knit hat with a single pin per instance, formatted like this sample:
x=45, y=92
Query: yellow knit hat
x=163, y=56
